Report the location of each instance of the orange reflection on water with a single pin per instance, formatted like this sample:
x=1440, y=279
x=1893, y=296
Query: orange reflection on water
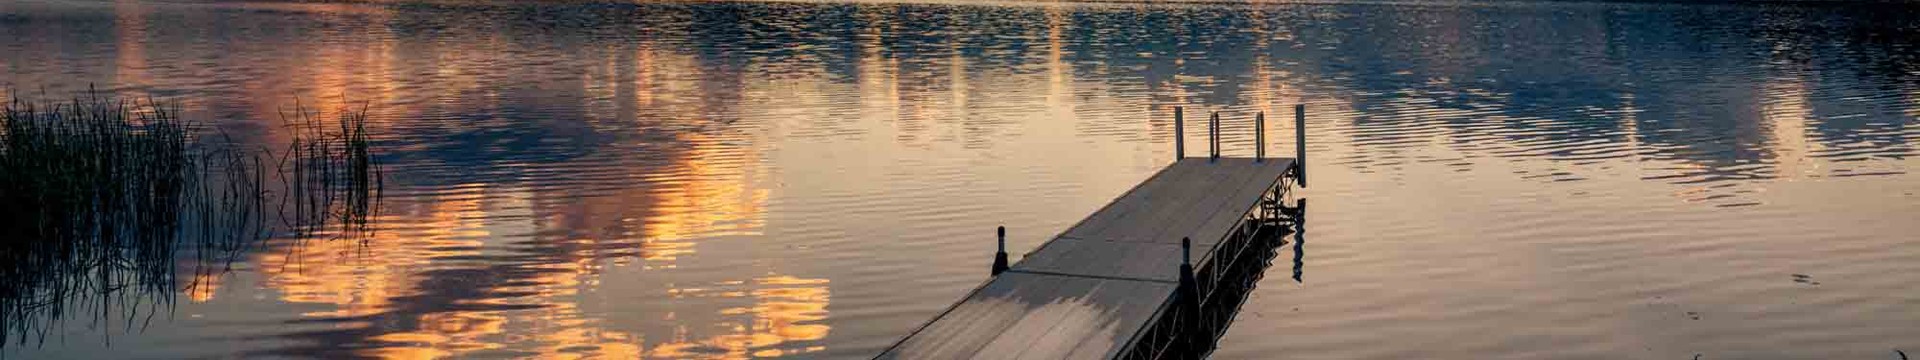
x=491, y=267
x=361, y=277
x=441, y=335
x=414, y=300
x=702, y=208
x=205, y=284
x=452, y=274
x=1786, y=113
x=130, y=34
x=786, y=309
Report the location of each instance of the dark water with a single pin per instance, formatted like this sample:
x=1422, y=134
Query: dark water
x=728, y=180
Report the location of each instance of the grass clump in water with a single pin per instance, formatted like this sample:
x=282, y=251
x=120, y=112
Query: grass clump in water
x=97, y=192
x=330, y=172
x=101, y=199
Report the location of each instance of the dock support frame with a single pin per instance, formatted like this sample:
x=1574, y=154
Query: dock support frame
x=1188, y=327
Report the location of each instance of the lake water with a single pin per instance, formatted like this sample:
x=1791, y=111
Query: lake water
x=815, y=180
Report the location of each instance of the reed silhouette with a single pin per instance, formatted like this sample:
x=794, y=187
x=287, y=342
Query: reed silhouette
x=107, y=199
x=330, y=174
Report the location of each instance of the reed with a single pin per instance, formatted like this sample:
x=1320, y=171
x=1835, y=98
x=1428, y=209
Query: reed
x=104, y=199
x=330, y=173
x=94, y=190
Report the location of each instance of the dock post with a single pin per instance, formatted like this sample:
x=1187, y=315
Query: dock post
x=1300, y=142
x=1179, y=134
x=1188, y=285
x=1000, y=256
x=1213, y=137
x=1189, y=293
x=1260, y=137
x=1186, y=254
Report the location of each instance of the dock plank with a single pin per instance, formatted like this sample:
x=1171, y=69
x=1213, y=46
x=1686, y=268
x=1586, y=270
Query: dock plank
x=1199, y=208
x=1182, y=201
x=1218, y=226
x=1079, y=317
x=1145, y=261
x=1138, y=199
x=1206, y=227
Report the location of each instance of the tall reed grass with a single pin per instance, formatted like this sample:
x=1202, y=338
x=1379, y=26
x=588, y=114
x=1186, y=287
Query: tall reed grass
x=102, y=199
x=330, y=172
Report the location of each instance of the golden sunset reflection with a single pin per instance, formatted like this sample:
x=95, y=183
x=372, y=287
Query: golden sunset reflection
x=361, y=278
x=450, y=274
x=1786, y=114
x=130, y=56
x=724, y=197
x=785, y=309
x=386, y=280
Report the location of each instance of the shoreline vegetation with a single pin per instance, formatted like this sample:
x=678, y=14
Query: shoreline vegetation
x=108, y=201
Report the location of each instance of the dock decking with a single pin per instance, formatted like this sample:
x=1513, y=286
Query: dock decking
x=1100, y=289
x=1157, y=273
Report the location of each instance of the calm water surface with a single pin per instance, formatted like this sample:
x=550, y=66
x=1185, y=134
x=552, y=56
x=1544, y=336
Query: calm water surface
x=731, y=180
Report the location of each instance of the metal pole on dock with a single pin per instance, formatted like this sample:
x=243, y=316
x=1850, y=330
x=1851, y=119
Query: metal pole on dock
x=1213, y=137
x=1000, y=256
x=1260, y=137
x=1300, y=142
x=1179, y=134
x=1187, y=282
x=1186, y=252
x=1216, y=136
x=1188, y=291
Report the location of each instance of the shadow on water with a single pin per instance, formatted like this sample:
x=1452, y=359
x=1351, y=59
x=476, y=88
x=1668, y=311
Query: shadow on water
x=110, y=202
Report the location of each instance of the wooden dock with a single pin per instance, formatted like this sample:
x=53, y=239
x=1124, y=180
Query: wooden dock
x=1157, y=273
